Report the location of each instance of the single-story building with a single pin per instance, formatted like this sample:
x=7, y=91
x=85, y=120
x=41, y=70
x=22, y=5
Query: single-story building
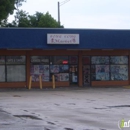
x=81, y=57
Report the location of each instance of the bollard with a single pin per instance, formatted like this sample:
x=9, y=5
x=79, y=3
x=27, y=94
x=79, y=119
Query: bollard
x=40, y=81
x=30, y=82
x=53, y=82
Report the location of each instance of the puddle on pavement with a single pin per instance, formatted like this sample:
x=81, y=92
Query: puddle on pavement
x=51, y=123
x=16, y=96
x=69, y=129
x=28, y=116
x=46, y=129
x=5, y=124
x=71, y=104
x=118, y=106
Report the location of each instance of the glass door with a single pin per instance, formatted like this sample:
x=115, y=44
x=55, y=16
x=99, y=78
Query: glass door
x=86, y=71
x=86, y=75
x=73, y=72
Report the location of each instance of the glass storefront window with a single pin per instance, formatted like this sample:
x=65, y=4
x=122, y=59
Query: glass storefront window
x=86, y=60
x=40, y=66
x=16, y=70
x=2, y=73
x=40, y=59
x=73, y=60
x=58, y=60
x=37, y=70
x=116, y=69
x=62, y=77
x=59, y=68
x=2, y=59
x=119, y=60
x=102, y=72
x=100, y=60
x=15, y=59
x=63, y=68
x=16, y=73
x=119, y=72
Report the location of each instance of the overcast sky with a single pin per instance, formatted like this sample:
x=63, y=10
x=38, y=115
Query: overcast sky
x=103, y=14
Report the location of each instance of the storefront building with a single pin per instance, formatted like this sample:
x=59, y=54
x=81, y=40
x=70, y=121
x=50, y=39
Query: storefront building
x=76, y=57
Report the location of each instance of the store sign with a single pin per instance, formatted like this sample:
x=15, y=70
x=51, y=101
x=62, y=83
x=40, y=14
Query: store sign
x=62, y=38
x=39, y=59
x=65, y=62
x=15, y=59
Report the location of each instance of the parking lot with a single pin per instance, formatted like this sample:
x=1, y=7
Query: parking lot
x=64, y=109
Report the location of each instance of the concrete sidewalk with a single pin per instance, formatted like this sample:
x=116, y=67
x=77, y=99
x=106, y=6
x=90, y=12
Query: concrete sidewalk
x=64, y=109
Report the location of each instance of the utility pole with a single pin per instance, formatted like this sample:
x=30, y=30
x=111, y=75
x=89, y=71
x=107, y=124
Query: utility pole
x=59, y=12
x=60, y=4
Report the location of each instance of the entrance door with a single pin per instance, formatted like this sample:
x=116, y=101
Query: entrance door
x=86, y=75
x=73, y=74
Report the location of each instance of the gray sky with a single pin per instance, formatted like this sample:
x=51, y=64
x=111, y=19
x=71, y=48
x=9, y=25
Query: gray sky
x=104, y=14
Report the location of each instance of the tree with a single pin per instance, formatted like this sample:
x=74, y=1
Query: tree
x=18, y=3
x=6, y=8
x=37, y=20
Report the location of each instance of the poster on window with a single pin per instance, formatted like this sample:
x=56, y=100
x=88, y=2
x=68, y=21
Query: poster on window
x=100, y=60
x=102, y=72
x=37, y=70
x=16, y=73
x=62, y=77
x=63, y=68
x=2, y=73
x=74, y=78
x=119, y=72
x=54, y=68
x=119, y=59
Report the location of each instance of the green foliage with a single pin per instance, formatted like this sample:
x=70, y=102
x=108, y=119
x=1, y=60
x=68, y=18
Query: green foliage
x=6, y=8
x=18, y=3
x=37, y=20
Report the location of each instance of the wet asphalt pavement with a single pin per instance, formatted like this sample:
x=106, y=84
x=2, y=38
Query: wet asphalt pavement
x=77, y=109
